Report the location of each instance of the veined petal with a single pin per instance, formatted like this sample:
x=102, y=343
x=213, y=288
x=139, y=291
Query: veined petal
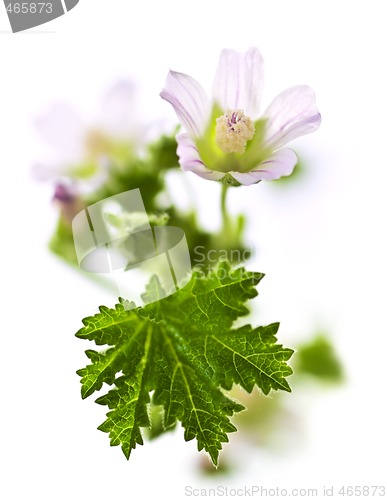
x=280, y=164
x=190, y=160
x=239, y=80
x=63, y=129
x=292, y=113
x=189, y=101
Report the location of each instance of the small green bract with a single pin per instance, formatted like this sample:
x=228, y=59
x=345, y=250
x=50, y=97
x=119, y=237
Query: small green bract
x=182, y=354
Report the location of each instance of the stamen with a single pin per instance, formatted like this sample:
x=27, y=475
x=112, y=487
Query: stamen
x=233, y=130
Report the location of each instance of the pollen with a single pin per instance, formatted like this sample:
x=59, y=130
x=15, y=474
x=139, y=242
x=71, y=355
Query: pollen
x=233, y=130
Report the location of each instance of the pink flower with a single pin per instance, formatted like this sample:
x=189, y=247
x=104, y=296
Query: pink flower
x=227, y=139
x=83, y=153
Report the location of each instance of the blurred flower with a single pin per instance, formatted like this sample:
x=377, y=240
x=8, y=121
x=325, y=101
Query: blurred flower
x=85, y=153
x=225, y=137
x=68, y=201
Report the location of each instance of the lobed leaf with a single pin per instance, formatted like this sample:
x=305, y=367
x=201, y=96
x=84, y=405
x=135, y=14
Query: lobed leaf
x=181, y=353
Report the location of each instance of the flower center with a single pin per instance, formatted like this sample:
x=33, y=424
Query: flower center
x=96, y=143
x=233, y=130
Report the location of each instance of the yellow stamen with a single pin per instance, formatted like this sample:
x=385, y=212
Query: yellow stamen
x=233, y=130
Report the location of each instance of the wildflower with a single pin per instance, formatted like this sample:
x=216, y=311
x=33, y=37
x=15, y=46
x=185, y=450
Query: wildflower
x=226, y=138
x=84, y=153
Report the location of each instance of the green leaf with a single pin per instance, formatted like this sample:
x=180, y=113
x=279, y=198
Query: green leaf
x=318, y=358
x=181, y=354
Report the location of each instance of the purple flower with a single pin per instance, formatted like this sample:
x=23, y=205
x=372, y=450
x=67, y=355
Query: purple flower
x=226, y=137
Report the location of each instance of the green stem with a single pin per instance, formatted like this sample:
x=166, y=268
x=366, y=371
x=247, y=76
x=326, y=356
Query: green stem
x=231, y=233
x=225, y=216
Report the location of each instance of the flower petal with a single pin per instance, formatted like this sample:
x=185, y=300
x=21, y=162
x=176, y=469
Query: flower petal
x=280, y=164
x=63, y=129
x=118, y=116
x=44, y=172
x=190, y=160
x=292, y=113
x=239, y=81
x=62, y=173
x=189, y=101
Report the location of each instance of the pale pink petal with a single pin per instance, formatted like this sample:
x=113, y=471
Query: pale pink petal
x=190, y=160
x=43, y=172
x=280, y=164
x=292, y=113
x=239, y=81
x=63, y=129
x=118, y=116
x=189, y=101
x=60, y=172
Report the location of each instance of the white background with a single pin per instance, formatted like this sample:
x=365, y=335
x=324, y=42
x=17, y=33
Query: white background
x=321, y=243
